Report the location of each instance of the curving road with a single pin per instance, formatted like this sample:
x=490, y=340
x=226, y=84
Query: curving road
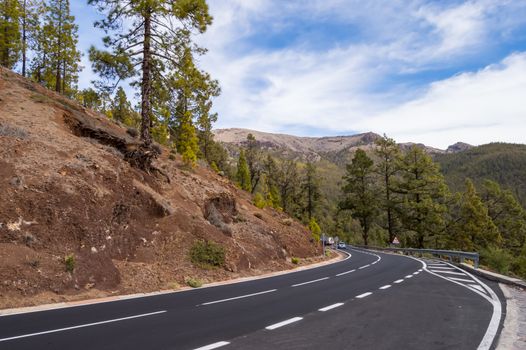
x=368, y=301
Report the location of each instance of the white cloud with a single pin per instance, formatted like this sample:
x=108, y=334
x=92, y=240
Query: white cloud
x=477, y=108
x=358, y=85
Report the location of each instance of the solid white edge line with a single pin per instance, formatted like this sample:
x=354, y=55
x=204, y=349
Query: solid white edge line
x=330, y=307
x=283, y=323
x=346, y=272
x=385, y=287
x=363, y=267
x=461, y=279
x=213, y=346
x=82, y=326
x=449, y=272
x=363, y=295
x=493, y=325
x=399, y=281
x=309, y=282
x=239, y=297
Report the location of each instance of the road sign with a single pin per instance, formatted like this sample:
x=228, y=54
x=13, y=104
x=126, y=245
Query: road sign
x=396, y=241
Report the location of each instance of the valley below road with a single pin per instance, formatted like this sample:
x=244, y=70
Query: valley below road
x=367, y=301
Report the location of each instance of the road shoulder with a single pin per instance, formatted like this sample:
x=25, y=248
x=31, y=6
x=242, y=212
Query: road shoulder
x=12, y=311
x=513, y=335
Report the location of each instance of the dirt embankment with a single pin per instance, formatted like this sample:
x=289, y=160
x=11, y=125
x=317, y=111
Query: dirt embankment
x=68, y=188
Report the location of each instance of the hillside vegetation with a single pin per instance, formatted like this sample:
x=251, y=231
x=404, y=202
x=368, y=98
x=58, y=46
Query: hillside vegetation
x=368, y=190
x=500, y=162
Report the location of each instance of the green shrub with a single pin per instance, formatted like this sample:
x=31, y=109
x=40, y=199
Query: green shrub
x=193, y=282
x=69, y=261
x=497, y=259
x=295, y=260
x=259, y=201
x=207, y=254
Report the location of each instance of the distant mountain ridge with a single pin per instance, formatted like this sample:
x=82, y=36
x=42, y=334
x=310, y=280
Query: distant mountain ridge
x=309, y=146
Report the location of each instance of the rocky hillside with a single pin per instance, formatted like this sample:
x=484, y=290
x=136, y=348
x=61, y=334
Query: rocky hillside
x=69, y=189
x=337, y=149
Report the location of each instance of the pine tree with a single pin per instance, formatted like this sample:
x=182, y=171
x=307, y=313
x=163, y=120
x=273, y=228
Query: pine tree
x=156, y=39
x=243, y=174
x=122, y=110
x=474, y=228
x=315, y=229
x=89, y=98
x=360, y=192
x=254, y=160
x=29, y=25
x=10, y=43
x=287, y=181
x=424, y=193
x=56, y=61
x=507, y=214
x=187, y=143
x=388, y=153
x=311, y=190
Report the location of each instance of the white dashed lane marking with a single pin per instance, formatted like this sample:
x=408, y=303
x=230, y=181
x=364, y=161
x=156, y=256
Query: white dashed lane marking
x=239, y=297
x=399, y=281
x=213, y=346
x=385, y=287
x=309, y=282
x=330, y=307
x=283, y=323
x=346, y=272
x=363, y=295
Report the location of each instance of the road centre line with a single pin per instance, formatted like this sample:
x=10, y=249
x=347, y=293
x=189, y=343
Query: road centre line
x=363, y=295
x=308, y=282
x=283, y=323
x=385, y=287
x=346, y=272
x=330, y=307
x=399, y=281
x=213, y=346
x=82, y=325
x=239, y=297
x=408, y=276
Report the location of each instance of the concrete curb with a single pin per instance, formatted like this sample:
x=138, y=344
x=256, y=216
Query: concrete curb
x=492, y=276
x=68, y=304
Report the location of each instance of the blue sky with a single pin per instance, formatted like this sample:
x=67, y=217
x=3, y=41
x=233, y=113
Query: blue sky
x=435, y=72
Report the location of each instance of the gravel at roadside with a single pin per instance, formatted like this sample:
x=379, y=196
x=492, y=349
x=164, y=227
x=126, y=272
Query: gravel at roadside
x=513, y=335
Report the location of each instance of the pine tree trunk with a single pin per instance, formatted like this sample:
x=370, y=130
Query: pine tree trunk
x=59, y=52
x=24, y=39
x=146, y=84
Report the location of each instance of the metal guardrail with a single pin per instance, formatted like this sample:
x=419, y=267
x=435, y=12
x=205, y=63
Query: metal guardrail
x=451, y=254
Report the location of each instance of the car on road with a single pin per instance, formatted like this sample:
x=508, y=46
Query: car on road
x=342, y=245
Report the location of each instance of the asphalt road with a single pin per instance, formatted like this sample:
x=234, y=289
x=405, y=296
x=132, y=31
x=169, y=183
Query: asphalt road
x=368, y=301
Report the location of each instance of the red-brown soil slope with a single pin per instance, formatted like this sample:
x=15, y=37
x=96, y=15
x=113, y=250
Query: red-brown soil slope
x=66, y=188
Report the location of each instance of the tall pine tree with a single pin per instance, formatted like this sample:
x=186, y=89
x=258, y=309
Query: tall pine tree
x=149, y=46
x=387, y=168
x=243, y=174
x=474, y=228
x=360, y=192
x=424, y=193
x=10, y=43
